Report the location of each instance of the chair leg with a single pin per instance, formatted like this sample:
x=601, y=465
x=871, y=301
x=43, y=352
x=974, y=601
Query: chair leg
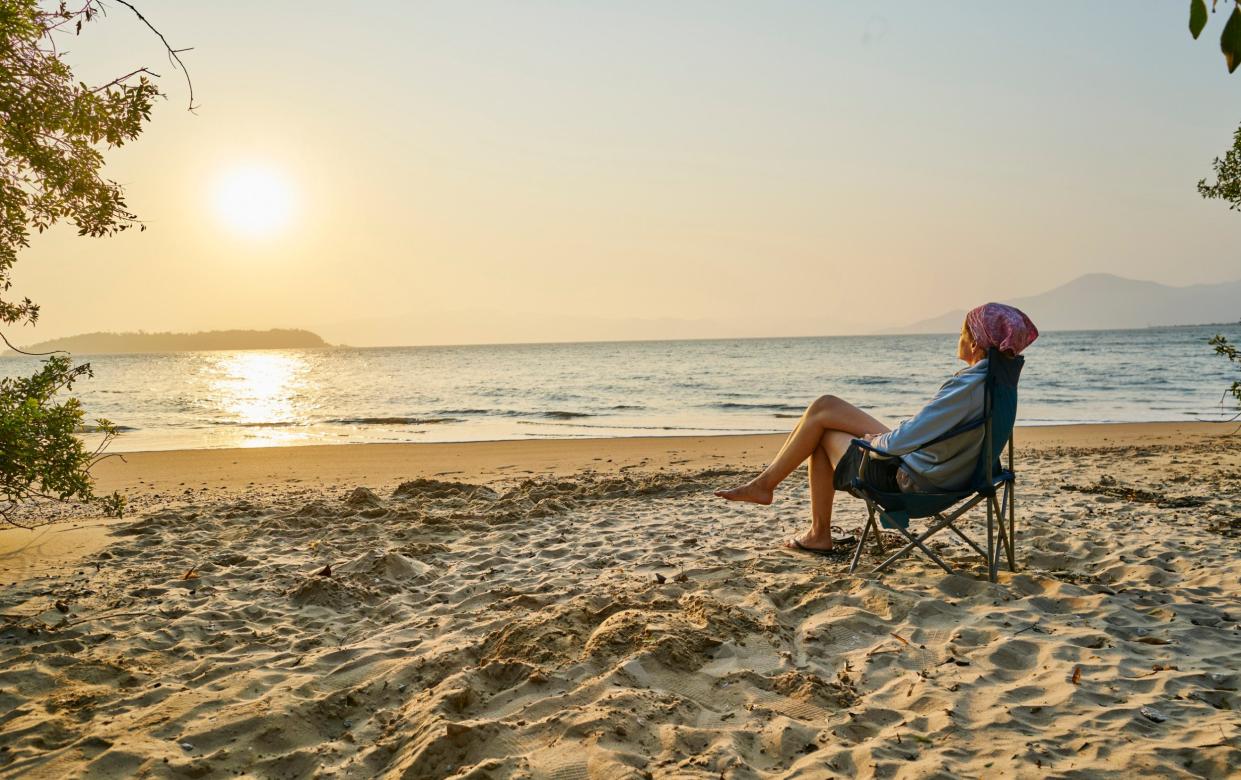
x=1010, y=492
x=990, y=556
x=965, y=538
x=1005, y=536
x=994, y=511
x=1001, y=530
x=861, y=542
x=874, y=525
x=949, y=522
x=942, y=521
x=914, y=541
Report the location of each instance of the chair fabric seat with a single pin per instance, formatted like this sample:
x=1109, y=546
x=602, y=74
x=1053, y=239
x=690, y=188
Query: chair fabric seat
x=899, y=508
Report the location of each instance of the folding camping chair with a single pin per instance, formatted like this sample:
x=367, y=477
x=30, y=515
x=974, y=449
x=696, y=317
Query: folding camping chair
x=895, y=510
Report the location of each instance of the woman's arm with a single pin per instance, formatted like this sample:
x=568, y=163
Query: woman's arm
x=957, y=402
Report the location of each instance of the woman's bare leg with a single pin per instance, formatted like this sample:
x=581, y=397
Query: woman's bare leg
x=827, y=413
x=822, y=491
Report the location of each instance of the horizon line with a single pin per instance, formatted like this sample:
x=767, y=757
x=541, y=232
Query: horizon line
x=12, y=354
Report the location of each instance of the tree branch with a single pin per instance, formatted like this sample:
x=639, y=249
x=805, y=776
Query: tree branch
x=31, y=354
x=116, y=81
x=173, y=54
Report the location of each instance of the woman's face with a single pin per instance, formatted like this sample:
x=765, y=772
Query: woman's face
x=967, y=350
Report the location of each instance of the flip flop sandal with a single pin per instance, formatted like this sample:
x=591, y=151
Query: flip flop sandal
x=837, y=551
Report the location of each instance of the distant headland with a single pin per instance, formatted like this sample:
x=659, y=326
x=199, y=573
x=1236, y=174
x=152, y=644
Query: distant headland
x=112, y=343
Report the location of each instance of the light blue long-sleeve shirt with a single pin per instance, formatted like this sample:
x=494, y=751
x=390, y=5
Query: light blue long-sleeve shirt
x=949, y=464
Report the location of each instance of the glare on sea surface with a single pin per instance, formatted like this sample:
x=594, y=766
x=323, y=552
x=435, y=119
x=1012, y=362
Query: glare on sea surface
x=253, y=200
x=260, y=391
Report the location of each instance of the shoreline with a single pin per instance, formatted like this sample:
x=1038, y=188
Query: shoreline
x=515, y=458
x=163, y=444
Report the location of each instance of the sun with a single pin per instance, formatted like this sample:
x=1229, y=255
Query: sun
x=253, y=200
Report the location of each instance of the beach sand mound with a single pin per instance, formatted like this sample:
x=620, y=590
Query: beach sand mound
x=434, y=489
x=634, y=626
x=387, y=565
x=363, y=498
x=319, y=591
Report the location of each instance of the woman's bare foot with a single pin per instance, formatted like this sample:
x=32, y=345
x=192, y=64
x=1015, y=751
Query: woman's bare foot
x=750, y=491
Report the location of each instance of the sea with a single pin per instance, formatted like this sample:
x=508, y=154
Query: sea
x=342, y=395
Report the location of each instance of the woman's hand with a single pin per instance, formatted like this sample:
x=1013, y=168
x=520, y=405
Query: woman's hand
x=869, y=437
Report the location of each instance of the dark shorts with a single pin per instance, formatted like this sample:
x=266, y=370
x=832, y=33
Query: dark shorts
x=880, y=472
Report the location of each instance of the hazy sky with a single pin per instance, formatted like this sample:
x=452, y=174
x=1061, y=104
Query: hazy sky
x=490, y=171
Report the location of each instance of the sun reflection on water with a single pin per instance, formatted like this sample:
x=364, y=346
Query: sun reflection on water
x=261, y=391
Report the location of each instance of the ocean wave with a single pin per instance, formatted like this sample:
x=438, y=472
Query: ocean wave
x=262, y=424
x=559, y=415
x=201, y=424
x=393, y=420
x=867, y=380
x=599, y=426
x=758, y=407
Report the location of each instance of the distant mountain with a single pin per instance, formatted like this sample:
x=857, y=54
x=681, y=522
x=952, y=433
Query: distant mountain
x=1104, y=301
x=111, y=343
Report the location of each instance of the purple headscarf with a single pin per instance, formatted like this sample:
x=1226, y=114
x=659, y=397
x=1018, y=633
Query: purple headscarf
x=1001, y=326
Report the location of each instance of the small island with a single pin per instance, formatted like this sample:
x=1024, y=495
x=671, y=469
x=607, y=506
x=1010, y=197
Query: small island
x=115, y=343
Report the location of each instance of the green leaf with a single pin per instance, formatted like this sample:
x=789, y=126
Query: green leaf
x=1197, y=17
x=1230, y=41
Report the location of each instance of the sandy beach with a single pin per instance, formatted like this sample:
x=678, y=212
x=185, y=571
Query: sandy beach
x=586, y=608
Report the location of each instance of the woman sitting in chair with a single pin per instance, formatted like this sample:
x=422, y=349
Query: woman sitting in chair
x=829, y=426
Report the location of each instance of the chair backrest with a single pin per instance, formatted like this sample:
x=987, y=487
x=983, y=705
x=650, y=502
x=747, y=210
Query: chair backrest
x=1003, y=372
x=999, y=416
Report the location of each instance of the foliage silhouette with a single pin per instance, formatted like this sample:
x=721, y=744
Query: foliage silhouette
x=1227, y=170
x=1227, y=184
x=54, y=129
x=1233, y=353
